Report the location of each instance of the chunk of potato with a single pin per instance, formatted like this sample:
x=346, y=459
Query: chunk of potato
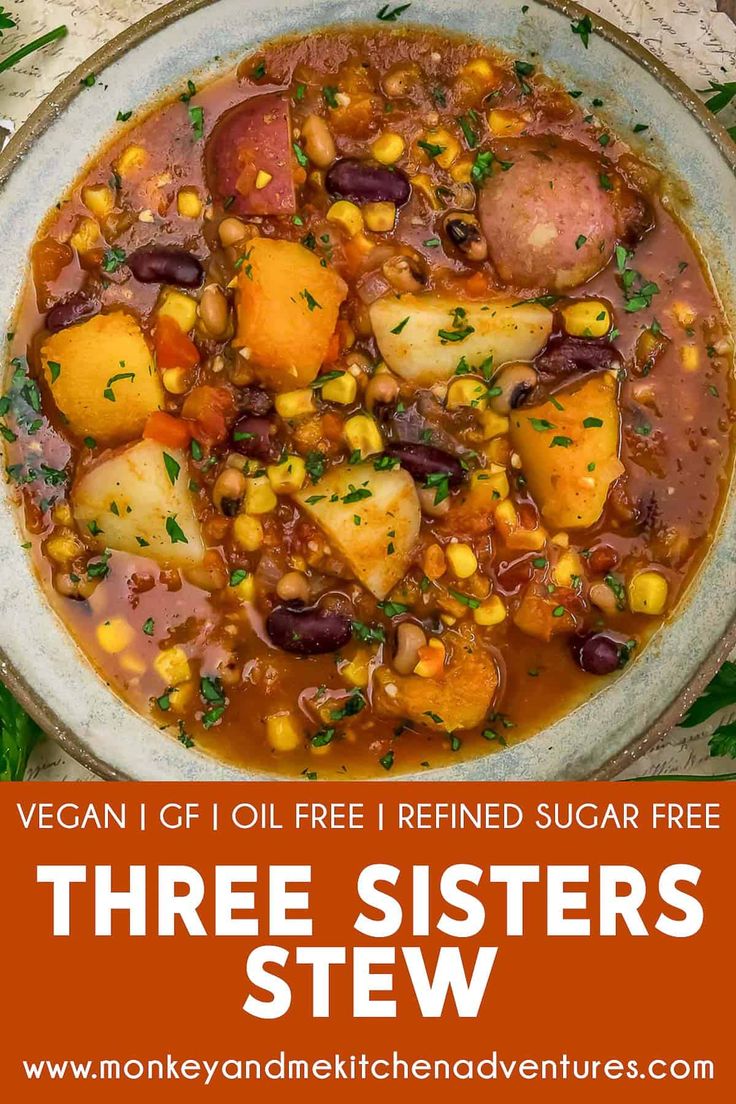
x=102, y=377
x=287, y=311
x=570, y=456
x=461, y=699
x=138, y=501
x=421, y=336
x=371, y=517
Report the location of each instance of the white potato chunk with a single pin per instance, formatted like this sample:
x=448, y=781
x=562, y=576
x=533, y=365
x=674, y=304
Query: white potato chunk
x=423, y=337
x=138, y=501
x=370, y=517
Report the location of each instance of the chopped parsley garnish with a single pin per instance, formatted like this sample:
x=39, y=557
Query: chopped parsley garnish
x=592, y=423
x=99, y=569
x=583, y=28
x=368, y=634
x=310, y=300
x=314, y=462
x=387, y=14
x=175, y=531
x=541, y=424
x=441, y=482
x=148, y=626
x=430, y=148
x=113, y=259
x=123, y=116
x=172, y=468
x=561, y=442
x=465, y=599
x=580, y=242
x=399, y=328
x=354, y=704
x=393, y=609
x=619, y=592
x=238, y=576
x=300, y=155
x=466, y=124
x=191, y=91
x=196, y=119
x=330, y=95
x=324, y=737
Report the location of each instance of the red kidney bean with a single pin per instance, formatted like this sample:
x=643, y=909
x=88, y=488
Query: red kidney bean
x=166, y=265
x=77, y=308
x=256, y=437
x=602, y=559
x=600, y=653
x=254, y=400
x=365, y=183
x=423, y=461
x=308, y=630
x=569, y=355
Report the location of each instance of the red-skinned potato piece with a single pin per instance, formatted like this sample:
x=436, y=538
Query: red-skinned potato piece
x=553, y=219
x=251, y=138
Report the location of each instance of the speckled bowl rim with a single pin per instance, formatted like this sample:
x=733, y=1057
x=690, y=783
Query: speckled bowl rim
x=52, y=107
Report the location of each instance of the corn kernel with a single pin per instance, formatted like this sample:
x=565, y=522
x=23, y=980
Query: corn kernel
x=64, y=547
x=132, y=664
x=647, y=593
x=247, y=533
x=683, y=314
x=491, y=482
x=172, y=666
x=363, y=435
x=182, y=308
x=176, y=380
x=347, y=215
x=689, y=358
x=284, y=731
x=431, y=659
x=357, y=671
x=379, y=217
x=99, y=199
x=288, y=475
x=181, y=697
x=263, y=179
x=86, y=235
x=450, y=148
x=341, y=390
x=295, y=404
x=131, y=160
x=568, y=568
x=423, y=183
x=388, y=148
x=62, y=514
x=506, y=123
x=528, y=540
x=245, y=590
x=466, y=391
x=490, y=612
x=562, y=540
x=480, y=72
x=505, y=515
x=461, y=559
x=586, y=318
x=188, y=203
x=462, y=171
x=434, y=562
x=259, y=496
x=114, y=635
x=493, y=424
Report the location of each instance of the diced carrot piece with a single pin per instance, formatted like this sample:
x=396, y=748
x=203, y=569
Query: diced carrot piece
x=173, y=348
x=212, y=408
x=167, y=430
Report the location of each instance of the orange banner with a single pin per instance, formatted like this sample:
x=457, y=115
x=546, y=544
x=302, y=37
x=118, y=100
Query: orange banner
x=276, y=941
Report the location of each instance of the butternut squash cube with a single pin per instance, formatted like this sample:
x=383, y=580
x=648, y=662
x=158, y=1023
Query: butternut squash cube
x=570, y=455
x=287, y=311
x=102, y=377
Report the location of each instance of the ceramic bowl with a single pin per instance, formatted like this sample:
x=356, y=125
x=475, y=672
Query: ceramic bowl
x=39, y=659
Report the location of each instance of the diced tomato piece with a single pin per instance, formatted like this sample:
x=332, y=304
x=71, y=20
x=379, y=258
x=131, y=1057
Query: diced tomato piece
x=49, y=258
x=167, y=430
x=173, y=348
x=212, y=409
